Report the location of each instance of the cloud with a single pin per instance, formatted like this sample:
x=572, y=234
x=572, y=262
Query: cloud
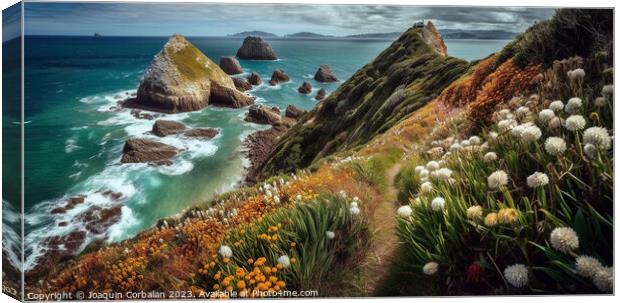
x=221, y=19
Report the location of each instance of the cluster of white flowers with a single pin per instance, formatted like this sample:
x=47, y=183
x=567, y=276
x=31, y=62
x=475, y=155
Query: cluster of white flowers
x=604, y=279
x=537, y=179
x=600, y=101
x=555, y=146
x=517, y=275
x=546, y=115
x=426, y=187
x=575, y=123
x=597, y=136
x=497, y=179
x=404, y=211
x=522, y=111
x=608, y=90
x=506, y=125
x=564, y=239
x=438, y=204
x=573, y=105
x=443, y=174
x=530, y=134
x=432, y=165
x=587, y=266
x=475, y=140
x=354, y=208
x=430, y=268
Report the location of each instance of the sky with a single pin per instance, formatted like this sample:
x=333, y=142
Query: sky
x=160, y=19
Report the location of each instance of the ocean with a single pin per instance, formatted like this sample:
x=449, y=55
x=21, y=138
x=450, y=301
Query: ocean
x=74, y=141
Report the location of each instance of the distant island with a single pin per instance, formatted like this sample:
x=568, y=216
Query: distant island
x=446, y=33
x=252, y=33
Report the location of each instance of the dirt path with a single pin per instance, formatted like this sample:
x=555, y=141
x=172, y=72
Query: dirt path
x=385, y=239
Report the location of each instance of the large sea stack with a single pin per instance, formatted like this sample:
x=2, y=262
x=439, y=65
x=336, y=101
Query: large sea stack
x=181, y=78
x=230, y=65
x=325, y=74
x=255, y=48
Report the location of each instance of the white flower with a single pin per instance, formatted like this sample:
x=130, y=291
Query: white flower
x=516, y=275
x=575, y=123
x=330, y=234
x=555, y=146
x=455, y=147
x=438, y=204
x=556, y=106
x=432, y=165
x=590, y=150
x=604, y=279
x=493, y=136
x=518, y=130
x=504, y=113
x=587, y=266
x=490, y=157
x=597, y=136
x=564, y=239
x=530, y=134
x=342, y=194
x=497, y=179
x=298, y=198
x=573, y=105
x=545, y=115
x=475, y=140
x=465, y=143
x=443, y=174
x=608, y=90
x=225, y=251
x=537, y=179
x=555, y=122
x=354, y=204
x=285, y=261
x=404, y=211
x=354, y=210
x=424, y=173
x=418, y=169
x=426, y=187
x=507, y=124
x=600, y=101
x=474, y=212
x=576, y=74
x=522, y=111
x=276, y=200
x=430, y=268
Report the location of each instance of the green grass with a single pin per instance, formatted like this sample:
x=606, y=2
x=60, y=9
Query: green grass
x=373, y=170
x=194, y=65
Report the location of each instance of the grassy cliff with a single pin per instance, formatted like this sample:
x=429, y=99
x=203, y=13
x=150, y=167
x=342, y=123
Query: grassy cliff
x=404, y=77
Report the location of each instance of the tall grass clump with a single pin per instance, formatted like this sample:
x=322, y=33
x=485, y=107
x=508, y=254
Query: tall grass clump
x=525, y=206
x=373, y=169
x=308, y=246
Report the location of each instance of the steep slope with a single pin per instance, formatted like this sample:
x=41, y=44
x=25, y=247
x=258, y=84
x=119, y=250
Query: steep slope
x=181, y=78
x=404, y=77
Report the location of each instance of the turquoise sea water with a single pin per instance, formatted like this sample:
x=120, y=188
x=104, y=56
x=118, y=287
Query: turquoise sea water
x=74, y=142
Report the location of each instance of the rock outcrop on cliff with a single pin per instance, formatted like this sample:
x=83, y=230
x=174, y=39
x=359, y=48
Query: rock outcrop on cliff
x=230, y=65
x=147, y=151
x=255, y=48
x=181, y=78
x=293, y=112
x=278, y=76
x=325, y=74
x=404, y=77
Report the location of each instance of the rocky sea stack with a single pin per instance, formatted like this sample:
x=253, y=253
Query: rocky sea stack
x=325, y=74
x=255, y=79
x=320, y=95
x=305, y=88
x=181, y=78
x=141, y=150
x=278, y=76
x=230, y=65
x=255, y=48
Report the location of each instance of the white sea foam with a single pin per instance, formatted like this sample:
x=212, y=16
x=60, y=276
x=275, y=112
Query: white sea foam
x=71, y=145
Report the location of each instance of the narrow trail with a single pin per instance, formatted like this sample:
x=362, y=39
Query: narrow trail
x=385, y=238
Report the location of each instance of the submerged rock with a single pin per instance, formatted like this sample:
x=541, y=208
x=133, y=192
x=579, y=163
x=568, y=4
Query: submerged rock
x=320, y=95
x=230, y=65
x=325, y=74
x=263, y=115
x=141, y=150
x=255, y=79
x=278, y=76
x=241, y=84
x=163, y=128
x=293, y=112
x=181, y=78
x=97, y=220
x=255, y=48
x=305, y=88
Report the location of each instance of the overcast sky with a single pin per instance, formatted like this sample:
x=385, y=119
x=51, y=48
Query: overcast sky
x=223, y=19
